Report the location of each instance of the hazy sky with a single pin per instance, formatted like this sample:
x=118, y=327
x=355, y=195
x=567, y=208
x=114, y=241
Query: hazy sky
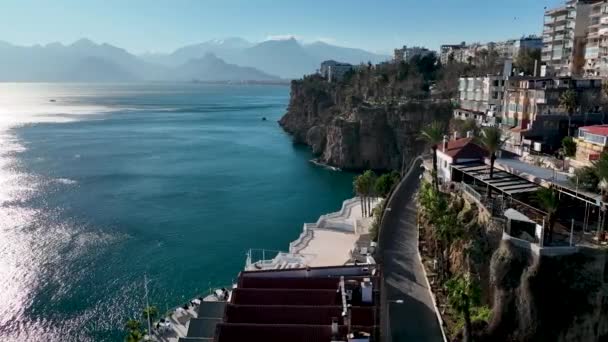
x=163, y=25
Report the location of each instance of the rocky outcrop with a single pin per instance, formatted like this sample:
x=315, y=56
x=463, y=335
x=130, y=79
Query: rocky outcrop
x=547, y=298
x=347, y=128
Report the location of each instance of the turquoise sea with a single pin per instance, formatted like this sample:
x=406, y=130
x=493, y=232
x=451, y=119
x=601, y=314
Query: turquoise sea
x=101, y=184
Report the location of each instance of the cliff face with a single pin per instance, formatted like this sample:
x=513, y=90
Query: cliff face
x=549, y=298
x=533, y=298
x=361, y=125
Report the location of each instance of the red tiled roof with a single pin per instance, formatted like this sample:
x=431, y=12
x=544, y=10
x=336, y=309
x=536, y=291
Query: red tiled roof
x=284, y=314
x=298, y=306
x=329, y=283
x=285, y=297
x=463, y=148
x=228, y=332
x=599, y=129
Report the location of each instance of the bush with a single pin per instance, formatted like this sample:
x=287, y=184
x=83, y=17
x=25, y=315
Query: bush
x=568, y=147
x=377, y=218
x=587, y=179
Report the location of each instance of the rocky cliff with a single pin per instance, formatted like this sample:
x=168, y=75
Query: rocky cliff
x=366, y=122
x=533, y=297
x=542, y=298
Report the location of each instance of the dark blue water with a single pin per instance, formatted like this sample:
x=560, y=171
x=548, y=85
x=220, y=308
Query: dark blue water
x=114, y=181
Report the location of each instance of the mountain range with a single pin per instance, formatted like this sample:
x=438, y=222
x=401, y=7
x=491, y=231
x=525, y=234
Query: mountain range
x=232, y=59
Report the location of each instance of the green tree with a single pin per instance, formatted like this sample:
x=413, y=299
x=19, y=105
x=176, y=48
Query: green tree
x=359, y=189
x=383, y=185
x=369, y=185
x=433, y=135
x=568, y=147
x=134, y=333
x=525, y=60
x=568, y=101
x=585, y=178
x=548, y=199
x=601, y=169
x=364, y=187
x=463, y=294
x=150, y=313
x=491, y=139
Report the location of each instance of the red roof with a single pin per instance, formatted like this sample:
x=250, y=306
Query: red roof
x=463, y=148
x=278, y=306
x=599, y=129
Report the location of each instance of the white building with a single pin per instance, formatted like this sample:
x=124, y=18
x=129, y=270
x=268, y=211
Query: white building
x=334, y=71
x=456, y=151
x=480, y=98
x=565, y=37
x=405, y=54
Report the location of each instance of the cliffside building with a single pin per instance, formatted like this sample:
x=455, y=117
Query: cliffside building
x=480, y=98
x=457, y=151
x=334, y=71
x=591, y=141
x=532, y=117
x=452, y=53
x=503, y=50
x=406, y=54
x=570, y=36
x=596, y=48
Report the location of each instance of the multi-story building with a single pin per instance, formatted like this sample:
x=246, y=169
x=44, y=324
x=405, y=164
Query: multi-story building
x=334, y=71
x=526, y=43
x=591, y=141
x=452, y=53
x=406, y=54
x=596, y=45
x=480, y=98
x=399, y=55
x=565, y=36
x=508, y=49
x=532, y=112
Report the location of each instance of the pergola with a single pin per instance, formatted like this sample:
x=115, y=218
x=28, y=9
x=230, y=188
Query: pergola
x=505, y=182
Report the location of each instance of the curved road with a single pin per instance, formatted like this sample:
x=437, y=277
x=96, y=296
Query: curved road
x=414, y=319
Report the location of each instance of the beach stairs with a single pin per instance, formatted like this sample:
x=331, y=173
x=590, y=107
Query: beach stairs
x=348, y=219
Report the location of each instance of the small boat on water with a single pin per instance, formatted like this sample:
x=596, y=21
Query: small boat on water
x=263, y=118
x=52, y=100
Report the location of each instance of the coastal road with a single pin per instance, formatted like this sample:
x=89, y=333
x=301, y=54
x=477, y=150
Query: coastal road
x=408, y=310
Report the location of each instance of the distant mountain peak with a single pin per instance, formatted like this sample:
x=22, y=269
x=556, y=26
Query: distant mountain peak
x=83, y=42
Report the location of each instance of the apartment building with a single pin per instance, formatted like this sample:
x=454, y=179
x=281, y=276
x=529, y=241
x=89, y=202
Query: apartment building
x=407, y=53
x=480, y=98
x=565, y=37
x=452, y=53
x=508, y=49
x=532, y=117
x=596, y=45
x=334, y=71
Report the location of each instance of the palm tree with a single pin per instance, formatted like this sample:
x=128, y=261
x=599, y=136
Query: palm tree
x=548, y=199
x=359, y=189
x=568, y=102
x=601, y=169
x=491, y=139
x=463, y=293
x=370, y=186
x=433, y=135
x=134, y=333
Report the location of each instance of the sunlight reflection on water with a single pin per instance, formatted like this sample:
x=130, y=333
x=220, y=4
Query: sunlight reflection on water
x=33, y=242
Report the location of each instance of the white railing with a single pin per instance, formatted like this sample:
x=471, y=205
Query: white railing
x=467, y=189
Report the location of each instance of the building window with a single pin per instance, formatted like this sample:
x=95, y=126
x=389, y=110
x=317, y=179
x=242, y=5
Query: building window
x=445, y=164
